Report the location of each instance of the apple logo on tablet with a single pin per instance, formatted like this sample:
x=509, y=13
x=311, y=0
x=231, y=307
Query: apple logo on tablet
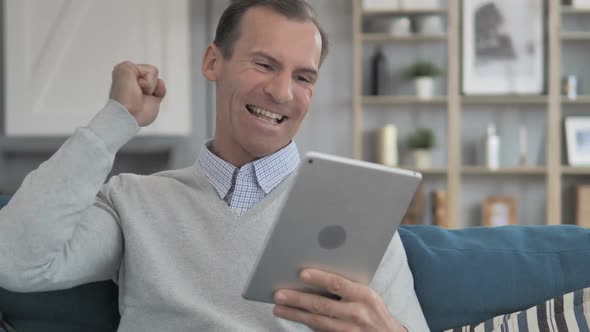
x=332, y=237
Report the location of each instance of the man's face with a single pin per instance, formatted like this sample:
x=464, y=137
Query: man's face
x=264, y=89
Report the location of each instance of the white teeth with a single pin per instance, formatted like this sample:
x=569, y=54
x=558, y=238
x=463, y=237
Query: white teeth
x=267, y=113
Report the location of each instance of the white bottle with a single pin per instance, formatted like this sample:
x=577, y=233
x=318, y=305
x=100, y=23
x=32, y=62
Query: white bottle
x=492, y=148
x=387, y=146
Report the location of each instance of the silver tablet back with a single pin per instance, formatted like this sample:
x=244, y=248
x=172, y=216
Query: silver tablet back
x=340, y=216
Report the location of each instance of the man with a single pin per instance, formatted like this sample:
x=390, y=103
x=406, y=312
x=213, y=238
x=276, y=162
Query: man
x=180, y=243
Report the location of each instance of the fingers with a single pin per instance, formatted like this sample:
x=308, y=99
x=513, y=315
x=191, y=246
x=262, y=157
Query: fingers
x=145, y=75
x=147, y=78
x=313, y=303
x=160, y=90
x=314, y=321
x=348, y=290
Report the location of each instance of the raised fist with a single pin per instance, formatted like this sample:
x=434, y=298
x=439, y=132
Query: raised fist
x=138, y=88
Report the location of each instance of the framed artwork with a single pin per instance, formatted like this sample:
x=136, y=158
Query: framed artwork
x=577, y=137
x=499, y=211
x=501, y=53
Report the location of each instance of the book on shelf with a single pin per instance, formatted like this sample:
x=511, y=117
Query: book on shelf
x=583, y=206
x=414, y=213
x=440, y=208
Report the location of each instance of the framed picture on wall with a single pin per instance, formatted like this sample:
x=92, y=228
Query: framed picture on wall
x=499, y=211
x=577, y=137
x=503, y=47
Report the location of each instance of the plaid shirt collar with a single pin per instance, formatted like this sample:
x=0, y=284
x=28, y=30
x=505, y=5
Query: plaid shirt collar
x=268, y=173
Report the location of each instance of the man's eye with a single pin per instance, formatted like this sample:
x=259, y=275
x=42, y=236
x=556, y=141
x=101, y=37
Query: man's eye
x=303, y=79
x=263, y=65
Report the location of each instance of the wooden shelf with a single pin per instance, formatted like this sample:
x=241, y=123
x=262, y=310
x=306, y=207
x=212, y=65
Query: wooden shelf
x=456, y=105
x=403, y=100
x=510, y=100
x=575, y=170
x=384, y=37
x=396, y=12
x=574, y=10
x=580, y=100
x=575, y=36
x=481, y=170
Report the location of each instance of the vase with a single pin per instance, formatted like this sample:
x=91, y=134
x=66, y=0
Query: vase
x=424, y=87
x=429, y=24
x=422, y=158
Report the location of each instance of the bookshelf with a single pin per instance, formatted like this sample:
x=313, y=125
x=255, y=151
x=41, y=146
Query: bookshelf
x=570, y=10
x=480, y=170
x=569, y=170
x=401, y=100
x=457, y=110
x=382, y=37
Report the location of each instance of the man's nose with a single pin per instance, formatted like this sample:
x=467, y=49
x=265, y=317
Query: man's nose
x=280, y=88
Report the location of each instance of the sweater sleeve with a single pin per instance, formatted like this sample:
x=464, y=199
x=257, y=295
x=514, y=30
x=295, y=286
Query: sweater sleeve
x=56, y=233
x=394, y=282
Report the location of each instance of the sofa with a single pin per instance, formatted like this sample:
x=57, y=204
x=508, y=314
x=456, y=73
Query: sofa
x=461, y=277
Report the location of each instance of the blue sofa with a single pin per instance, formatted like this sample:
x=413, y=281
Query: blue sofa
x=461, y=277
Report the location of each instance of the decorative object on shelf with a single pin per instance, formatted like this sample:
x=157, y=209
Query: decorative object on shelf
x=499, y=55
x=522, y=147
x=380, y=4
x=499, y=211
x=387, y=146
x=421, y=143
x=378, y=72
x=428, y=24
x=419, y=4
x=414, y=214
x=400, y=26
x=395, y=26
x=577, y=136
x=570, y=87
x=583, y=206
x=492, y=148
x=423, y=73
x=440, y=208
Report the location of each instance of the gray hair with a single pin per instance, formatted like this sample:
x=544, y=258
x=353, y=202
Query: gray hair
x=227, y=32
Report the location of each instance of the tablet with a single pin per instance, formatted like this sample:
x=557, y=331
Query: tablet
x=340, y=216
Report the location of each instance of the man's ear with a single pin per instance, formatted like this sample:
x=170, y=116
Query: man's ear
x=211, y=62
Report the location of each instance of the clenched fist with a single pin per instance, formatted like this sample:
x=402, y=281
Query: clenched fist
x=138, y=88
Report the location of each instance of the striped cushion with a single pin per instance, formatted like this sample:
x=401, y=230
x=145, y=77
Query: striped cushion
x=570, y=312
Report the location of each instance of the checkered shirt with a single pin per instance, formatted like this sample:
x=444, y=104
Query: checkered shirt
x=241, y=188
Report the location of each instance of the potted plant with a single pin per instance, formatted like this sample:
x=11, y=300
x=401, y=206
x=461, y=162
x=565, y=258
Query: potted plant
x=421, y=143
x=423, y=73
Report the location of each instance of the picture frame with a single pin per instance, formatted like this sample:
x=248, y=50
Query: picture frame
x=499, y=211
x=500, y=56
x=577, y=137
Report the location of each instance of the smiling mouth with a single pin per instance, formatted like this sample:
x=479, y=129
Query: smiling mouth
x=265, y=115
